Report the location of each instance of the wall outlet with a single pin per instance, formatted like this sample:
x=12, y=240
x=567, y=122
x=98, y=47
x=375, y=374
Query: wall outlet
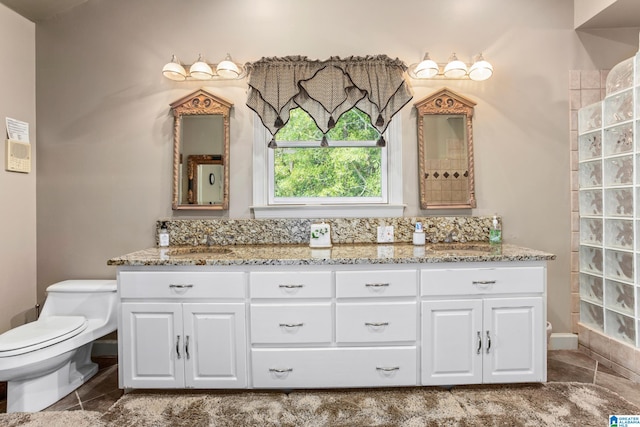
x=385, y=234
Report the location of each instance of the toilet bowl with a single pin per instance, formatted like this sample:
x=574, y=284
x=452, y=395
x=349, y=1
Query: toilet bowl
x=45, y=360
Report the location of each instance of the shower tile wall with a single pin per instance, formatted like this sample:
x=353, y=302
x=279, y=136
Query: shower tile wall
x=607, y=226
x=586, y=87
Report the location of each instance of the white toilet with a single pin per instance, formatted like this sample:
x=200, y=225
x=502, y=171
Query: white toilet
x=45, y=360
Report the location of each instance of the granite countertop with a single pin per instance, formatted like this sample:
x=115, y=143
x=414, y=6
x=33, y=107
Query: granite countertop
x=342, y=254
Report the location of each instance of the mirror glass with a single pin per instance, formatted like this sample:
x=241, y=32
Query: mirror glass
x=445, y=149
x=201, y=152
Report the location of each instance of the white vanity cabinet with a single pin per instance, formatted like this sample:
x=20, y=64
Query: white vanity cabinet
x=483, y=325
x=182, y=330
x=334, y=325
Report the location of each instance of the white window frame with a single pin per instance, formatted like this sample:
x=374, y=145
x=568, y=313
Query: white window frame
x=390, y=205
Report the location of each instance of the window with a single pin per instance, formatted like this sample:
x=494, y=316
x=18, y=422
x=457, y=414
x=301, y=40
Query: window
x=351, y=169
x=349, y=177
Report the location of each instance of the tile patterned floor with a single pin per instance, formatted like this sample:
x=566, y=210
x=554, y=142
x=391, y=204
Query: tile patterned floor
x=99, y=393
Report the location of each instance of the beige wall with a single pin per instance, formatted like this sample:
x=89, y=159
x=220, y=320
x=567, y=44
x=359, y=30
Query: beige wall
x=105, y=126
x=17, y=190
x=587, y=9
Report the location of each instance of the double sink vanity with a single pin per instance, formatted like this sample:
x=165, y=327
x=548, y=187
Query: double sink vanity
x=248, y=304
x=285, y=316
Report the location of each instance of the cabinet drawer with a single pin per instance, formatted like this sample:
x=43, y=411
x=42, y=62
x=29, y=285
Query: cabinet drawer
x=174, y=284
x=293, y=284
x=334, y=367
x=383, y=283
x=376, y=322
x=474, y=281
x=284, y=323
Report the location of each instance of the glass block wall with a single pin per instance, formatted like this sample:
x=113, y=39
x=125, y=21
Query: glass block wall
x=609, y=206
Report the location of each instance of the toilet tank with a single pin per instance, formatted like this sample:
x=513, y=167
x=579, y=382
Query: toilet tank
x=93, y=299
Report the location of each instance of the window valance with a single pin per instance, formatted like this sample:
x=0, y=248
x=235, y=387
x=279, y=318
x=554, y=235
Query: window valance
x=326, y=90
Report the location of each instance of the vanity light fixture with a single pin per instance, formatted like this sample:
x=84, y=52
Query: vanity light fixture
x=455, y=69
x=481, y=69
x=228, y=69
x=174, y=70
x=201, y=70
x=426, y=69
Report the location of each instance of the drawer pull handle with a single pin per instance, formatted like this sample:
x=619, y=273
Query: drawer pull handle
x=186, y=347
x=387, y=369
x=479, y=343
x=178, y=346
x=280, y=370
x=181, y=286
x=291, y=325
x=488, y=342
x=376, y=324
x=291, y=286
x=483, y=282
x=376, y=285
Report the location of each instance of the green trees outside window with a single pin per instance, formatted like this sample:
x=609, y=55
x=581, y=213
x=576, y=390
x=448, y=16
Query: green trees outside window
x=350, y=167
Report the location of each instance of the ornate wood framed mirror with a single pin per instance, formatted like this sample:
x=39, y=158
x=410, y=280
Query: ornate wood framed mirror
x=445, y=151
x=201, y=138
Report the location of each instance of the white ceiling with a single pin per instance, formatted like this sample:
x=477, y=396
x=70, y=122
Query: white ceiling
x=40, y=10
x=620, y=14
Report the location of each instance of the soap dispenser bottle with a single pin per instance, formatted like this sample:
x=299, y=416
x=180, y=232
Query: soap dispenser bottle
x=419, y=237
x=163, y=235
x=495, y=233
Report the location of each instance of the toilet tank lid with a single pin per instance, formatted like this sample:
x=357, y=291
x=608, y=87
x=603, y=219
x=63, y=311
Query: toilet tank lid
x=83, y=285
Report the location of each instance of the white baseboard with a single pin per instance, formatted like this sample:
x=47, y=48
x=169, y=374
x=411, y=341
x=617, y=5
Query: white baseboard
x=563, y=341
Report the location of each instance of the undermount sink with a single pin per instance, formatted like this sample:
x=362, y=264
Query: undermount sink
x=476, y=248
x=198, y=251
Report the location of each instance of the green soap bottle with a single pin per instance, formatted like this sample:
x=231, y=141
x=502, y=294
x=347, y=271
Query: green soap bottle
x=495, y=234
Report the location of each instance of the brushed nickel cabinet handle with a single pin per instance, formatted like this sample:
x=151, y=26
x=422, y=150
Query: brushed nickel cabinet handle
x=479, y=343
x=376, y=324
x=178, y=346
x=376, y=285
x=488, y=342
x=483, y=282
x=291, y=325
x=186, y=347
x=291, y=286
x=280, y=370
x=387, y=369
x=174, y=286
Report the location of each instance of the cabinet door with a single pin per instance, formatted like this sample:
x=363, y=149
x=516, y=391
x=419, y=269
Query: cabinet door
x=452, y=342
x=514, y=346
x=151, y=345
x=215, y=345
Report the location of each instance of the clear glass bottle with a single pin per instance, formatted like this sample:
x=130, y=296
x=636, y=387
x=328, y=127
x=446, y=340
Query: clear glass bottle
x=495, y=233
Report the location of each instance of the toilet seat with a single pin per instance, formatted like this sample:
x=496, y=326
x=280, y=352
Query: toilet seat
x=41, y=333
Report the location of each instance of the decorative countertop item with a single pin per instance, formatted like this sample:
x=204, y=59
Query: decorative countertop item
x=320, y=236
